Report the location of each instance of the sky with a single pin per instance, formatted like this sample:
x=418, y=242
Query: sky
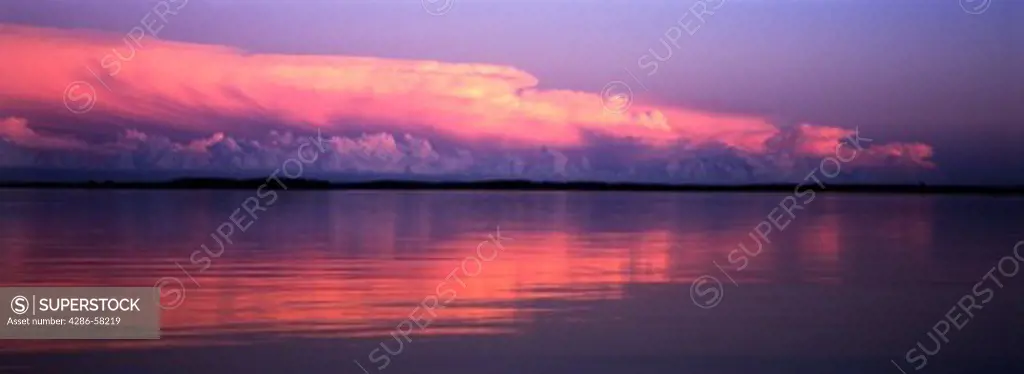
x=685, y=91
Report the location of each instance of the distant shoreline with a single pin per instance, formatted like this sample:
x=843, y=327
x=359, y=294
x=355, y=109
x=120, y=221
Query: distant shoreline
x=506, y=185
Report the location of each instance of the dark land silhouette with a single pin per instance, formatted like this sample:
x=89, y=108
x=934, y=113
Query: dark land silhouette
x=513, y=185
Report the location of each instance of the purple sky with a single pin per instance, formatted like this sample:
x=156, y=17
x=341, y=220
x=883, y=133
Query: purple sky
x=903, y=72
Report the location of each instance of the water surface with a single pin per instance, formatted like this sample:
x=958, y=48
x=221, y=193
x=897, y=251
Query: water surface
x=595, y=282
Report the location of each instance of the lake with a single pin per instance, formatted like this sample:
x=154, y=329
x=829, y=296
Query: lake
x=529, y=282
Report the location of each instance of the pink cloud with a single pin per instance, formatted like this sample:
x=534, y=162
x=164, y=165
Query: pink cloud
x=16, y=130
x=192, y=87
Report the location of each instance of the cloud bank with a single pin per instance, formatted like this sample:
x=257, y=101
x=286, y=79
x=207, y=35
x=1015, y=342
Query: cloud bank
x=144, y=103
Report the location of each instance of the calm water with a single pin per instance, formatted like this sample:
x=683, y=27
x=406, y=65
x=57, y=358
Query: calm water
x=586, y=282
